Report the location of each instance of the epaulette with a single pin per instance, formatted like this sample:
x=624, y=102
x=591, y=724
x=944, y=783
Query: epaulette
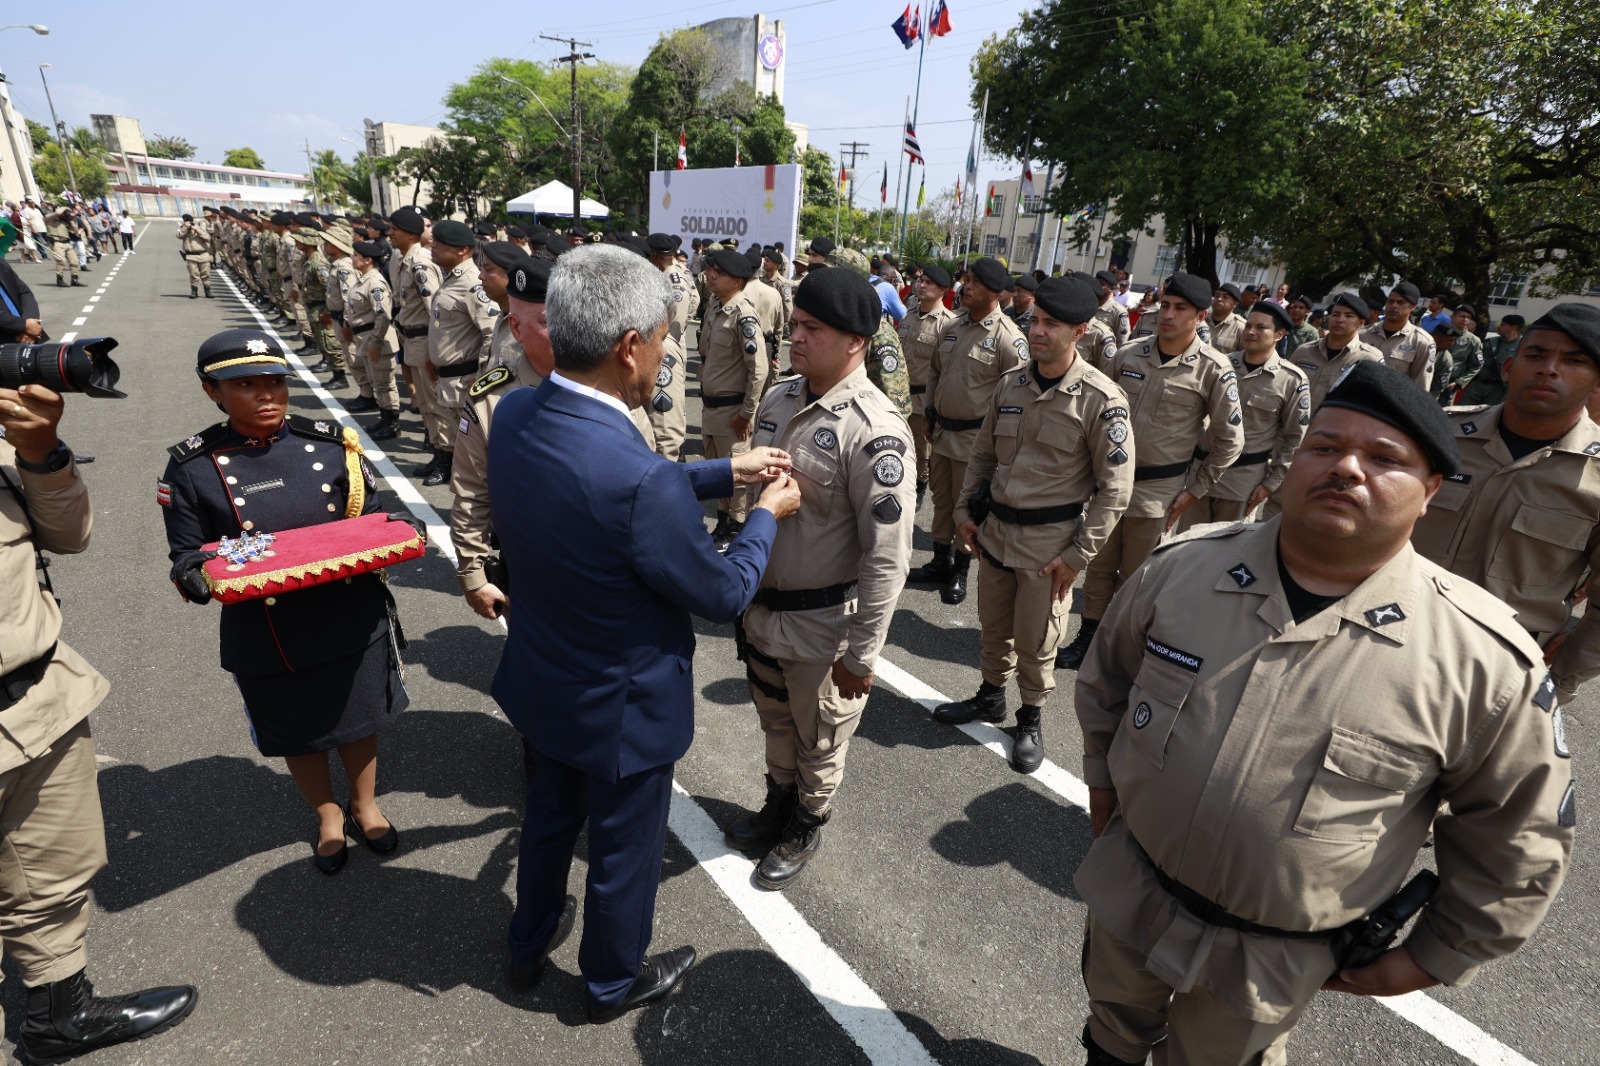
x=200, y=443
x=1212, y=531
x=488, y=382
x=1469, y=409
x=316, y=429
x=1486, y=611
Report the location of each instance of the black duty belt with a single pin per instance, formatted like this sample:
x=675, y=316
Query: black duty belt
x=918, y=390
x=1035, y=516
x=1214, y=914
x=15, y=685
x=412, y=332
x=460, y=370
x=1155, y=473
x=722, y=401
x=805, y=599
x=959, y=424
x=1247, y=459
x=365, y=328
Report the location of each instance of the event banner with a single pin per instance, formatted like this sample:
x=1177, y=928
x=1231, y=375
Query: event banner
x=758, y=204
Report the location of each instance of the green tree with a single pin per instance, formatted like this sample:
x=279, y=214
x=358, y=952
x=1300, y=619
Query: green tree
x=50, y=171
x=358, y=181
x=248, y=158
x=159, y=147
x=39, y=134
x=820, y=177
x=82, y=139
x=327, y=178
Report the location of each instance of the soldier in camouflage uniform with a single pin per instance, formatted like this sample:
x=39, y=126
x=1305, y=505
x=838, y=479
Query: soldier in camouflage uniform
x=1303, y=332
x=885, y=362
x=313, y=291
x=338, y=243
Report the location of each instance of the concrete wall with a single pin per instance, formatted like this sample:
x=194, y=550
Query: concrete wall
x=739, y=42
x=387, y=138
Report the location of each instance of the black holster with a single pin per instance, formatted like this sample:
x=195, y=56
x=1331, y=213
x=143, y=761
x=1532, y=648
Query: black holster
x=978, y=504
x=1363, y=940
x=740, y=642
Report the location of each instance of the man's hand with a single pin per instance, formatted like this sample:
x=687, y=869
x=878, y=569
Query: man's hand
x=849, y=685
x=1552, y=649
x=1394, y=973
x=781, y=497
x=1258, y=496
x=30, y=416
x=1061, y=578
x=433, y=373
x=968, y=532
x=741, y=427
x=1102, y=805
x=487, y=601
x=1185, y=500
x=760, y=465
x=32, y=330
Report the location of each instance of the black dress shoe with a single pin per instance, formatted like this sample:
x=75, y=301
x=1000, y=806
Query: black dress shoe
x=524, y=978
x=387, y=844
x=657, y=978
x=330, y=864
x=65, y=1018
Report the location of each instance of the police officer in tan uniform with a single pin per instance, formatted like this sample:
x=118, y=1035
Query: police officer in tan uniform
x=1403, y=344
x=337, y=246
x=369, y=316
x=813, y=634
x=458, y=337
x=1098, y=345
x=1275, y=400
x=1325, y=359
x=769, y=306
x=195, y=239
x=1111, y=314
x=1522, y=517
x=734, y=367
x=49, y=803
x=672, y=425
x=1175, y=383
x=494, y=274
x=1226, y=323
x=771, y=275
x=921, y=331
x=979, y=347
x=1272, y=716
x=413, y=279
x=1053, y=468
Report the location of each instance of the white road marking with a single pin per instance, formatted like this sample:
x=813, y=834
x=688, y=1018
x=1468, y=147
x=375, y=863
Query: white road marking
x=68, y=338
x=79, y=321
x=88, y=308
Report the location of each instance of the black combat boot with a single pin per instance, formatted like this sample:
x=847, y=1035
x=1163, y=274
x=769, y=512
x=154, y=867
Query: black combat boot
x=802, y=840
x=1099, y=1056
x=387, y=427
x=989, y=704
x=360, y=404
x=1071, y=657
x=208, y=293
x=761, y=830
x=430, y=466
x=320, y=366
x=955, y=586
x=77, y=281
x=935, y=570
x=338, y=381
x=194, y=293
x=922, y=493
x=61, y=282
x=65, y=1018
x=441, y=473
x=1027, y=746
x=719, y=532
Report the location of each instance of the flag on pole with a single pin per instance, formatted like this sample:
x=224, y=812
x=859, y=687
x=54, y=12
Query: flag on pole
x=1027, y=182
x=905, y=27
x=972, y=160
x=913, y=149
x=988, y=203
x=883, y=192
x=938, y=19
x=922, y=190
x=683, y=150
x=958, y=192
x=842, y=177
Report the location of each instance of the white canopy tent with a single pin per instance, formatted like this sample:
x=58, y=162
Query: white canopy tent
x=554, y=198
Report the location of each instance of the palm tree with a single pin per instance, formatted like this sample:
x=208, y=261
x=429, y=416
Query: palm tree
x=327, y=178
x=83, y=141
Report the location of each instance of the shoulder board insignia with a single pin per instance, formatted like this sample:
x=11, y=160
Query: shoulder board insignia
x=488, y=382
x=1592, y=448
x=317, y=430
x=1201, y=533
x=198, y=444
x=841, y=406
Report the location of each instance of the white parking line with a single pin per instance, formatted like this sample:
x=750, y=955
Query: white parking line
x=80, y=320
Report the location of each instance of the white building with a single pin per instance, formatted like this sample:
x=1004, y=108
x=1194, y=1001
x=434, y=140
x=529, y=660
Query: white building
x=387, y=138
x=150, y=186
x=16, y=152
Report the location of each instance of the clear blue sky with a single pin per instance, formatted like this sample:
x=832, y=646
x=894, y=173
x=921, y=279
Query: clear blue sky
x=288, y=71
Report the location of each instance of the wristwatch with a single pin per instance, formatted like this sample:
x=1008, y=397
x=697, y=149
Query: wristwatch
x=58, y=459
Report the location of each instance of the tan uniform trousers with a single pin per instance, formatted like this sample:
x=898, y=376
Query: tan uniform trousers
x=1129, y=545
x=671, y=428
x=718, y=446
x=65, y=258
x=380, y=373
x=919, y=434
x=1208, y=509
x=1022, y=628
x=55, y=842
x=808, y=725
x=945, y=476
x=1132, y=1012
x=199, y=270
x=356, y=363
x=426, y=389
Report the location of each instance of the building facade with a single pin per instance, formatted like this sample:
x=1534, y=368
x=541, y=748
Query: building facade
x=145, y=185
x=385, y=139
x=752, y=50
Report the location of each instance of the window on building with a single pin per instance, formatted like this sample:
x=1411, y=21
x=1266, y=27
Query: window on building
x=144, y=172
x=991, y=244
x=1166, y=260
x=163, y=172
x=1244, y=273
x=1024, y=252
x=999, y=209
x=1033, y=205
x=1508, y=289
x=196, y=175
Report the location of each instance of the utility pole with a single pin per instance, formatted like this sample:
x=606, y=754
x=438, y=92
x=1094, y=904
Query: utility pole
x=61, y=130
x=855, y=149
x=311, y=172
x=574, y=58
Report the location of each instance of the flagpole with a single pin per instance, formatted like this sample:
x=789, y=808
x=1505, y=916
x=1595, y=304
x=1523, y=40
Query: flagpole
x=916, y=107
x=972, y=179
x=1038, y=238
x=900, y=167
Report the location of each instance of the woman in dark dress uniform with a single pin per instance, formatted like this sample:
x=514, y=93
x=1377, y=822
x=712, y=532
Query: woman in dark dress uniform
x=318, y=667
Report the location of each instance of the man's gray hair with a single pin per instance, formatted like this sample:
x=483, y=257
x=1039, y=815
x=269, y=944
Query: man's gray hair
x=596, y=294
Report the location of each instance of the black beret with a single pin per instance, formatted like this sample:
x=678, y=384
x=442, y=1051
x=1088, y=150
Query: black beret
x=1025, y=282
x=208, y=209
x=1352, y=301
x=240, y=353
x=308, y=218
x=1280, y=317
x=843, y=299
x=379, y=224
x=453, y=234
x=774, y=255
x=754, y=255
x=526, y=279
x=516, y=231
x=991, y=275
x=284, y=218
x=1581, y=322
x=1072, y=299
x=1513, y=320
x=1192, y=290
x=485, y=229
x=1447, y=329
x=937, y=274
x=407, y=220
x=188, y=217
x=635, y=244
x=557, y=245
x=503, y=254
x=579, y=230
x=734, y=264
x=1468, y=308
x=820, y=246
x=370, y=249
x=1373, y=388
x=1407, y=291
x=1107, y=277
x=1231, y=289
x=1309, y=303
x=661, y=242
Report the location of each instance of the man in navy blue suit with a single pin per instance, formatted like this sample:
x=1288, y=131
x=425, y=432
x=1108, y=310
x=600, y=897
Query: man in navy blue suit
x=608, y=557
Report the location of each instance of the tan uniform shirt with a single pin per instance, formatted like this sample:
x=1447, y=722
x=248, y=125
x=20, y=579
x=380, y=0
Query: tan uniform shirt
x=413, y=279
x=195, y=239
x=1098, y=345
x=1171, y=402
x=469, y=473
x=1226, y=335
x=1290, y=772
x=769, y=305
x=733, y=360
x=504, y=348
x=1114, y=317
x=459, y=331
x=341, y=276
x=1275, y=400
x=368, y=302
x=1410, y=351
x=785, y=293
x=684, y=299
x=1322, y=372
x=30, y=619
x=967, y=364
x=920, y=333
x=1068, y=444
x=857, y=473
x=1528, y=531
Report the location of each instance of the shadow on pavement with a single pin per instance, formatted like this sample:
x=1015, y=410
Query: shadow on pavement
x=1023, y=828
x=891, y=720
x=917, y=635
x=458, y=655
x=963, y=1052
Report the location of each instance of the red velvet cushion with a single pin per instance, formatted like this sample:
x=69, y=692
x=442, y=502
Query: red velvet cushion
x=315, y=555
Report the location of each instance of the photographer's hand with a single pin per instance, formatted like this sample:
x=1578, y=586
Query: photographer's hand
x=30, y=416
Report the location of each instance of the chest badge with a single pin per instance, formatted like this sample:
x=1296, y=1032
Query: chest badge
x=1592, y=449
x=1382, y=616
x=1242, y=576
x=825, y=439
x=1141, y=716
x=1469, y=428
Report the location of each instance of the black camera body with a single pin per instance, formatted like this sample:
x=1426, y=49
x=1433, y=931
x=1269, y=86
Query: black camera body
x=70, y=366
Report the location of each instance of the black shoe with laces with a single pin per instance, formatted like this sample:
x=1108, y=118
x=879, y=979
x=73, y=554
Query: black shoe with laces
x=65, y=1018
x=802, y=842
x=1027, y=747
x=761, y=830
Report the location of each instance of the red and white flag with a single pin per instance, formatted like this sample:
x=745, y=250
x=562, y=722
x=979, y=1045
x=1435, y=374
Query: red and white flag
x=683, y=150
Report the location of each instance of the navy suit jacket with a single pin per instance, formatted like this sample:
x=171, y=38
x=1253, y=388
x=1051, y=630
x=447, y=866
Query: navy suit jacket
x=608, y=557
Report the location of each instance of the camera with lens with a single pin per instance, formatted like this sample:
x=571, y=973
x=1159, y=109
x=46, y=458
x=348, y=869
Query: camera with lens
x=65, y=366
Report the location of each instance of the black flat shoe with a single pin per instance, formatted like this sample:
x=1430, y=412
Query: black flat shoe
x=524, y=978
x=384, y=845
x=330, y=864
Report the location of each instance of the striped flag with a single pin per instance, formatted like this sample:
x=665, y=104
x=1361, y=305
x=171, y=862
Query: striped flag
x=938, y=19
x=958, y=192
x=842, y=177
x=988, y=203
x=883, y=191
x=683, y=150
x=913, y=149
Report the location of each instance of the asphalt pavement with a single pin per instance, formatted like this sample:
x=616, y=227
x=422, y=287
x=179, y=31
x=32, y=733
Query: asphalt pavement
x=939, y=924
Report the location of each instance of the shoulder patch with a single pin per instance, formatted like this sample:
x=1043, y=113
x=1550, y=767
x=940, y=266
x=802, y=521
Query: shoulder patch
x=879, y=445
x=198, y=444
x=887, y=510
x=488, y=382
x=317, y=430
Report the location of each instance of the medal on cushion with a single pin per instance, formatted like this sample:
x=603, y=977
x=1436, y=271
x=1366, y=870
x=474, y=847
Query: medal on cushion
x=246, y=548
